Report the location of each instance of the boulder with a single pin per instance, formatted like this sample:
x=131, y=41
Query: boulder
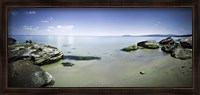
x=23, y=73
x=168, y=48
x=148, y=44
x=167, y=41
x=186, y=42
x=181, y=53
x=11, y=41
x=130, y=48
x=29, y=41
x=39, y=53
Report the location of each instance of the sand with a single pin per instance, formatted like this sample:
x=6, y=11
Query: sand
x=115, y=70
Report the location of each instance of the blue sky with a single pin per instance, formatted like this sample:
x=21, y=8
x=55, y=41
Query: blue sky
x=99, y=21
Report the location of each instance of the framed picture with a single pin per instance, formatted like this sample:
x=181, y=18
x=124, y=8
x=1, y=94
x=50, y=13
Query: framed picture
x=96, y=47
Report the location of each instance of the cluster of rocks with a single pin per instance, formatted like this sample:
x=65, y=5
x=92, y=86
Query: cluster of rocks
x=151, y=44
x=181, y=48
x=24, y=60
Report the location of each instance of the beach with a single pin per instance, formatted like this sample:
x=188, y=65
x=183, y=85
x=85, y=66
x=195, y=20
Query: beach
x=163, y=72
x=114, y=68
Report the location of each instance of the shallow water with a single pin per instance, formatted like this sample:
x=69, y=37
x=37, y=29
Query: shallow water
x=115, y=69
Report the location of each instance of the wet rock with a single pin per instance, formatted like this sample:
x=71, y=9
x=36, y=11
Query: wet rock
x=23, y=73
x=148, y=44
x=181, y=53
x=168, y=48
x=142, y=72
x=29, y=41
x=130, y=48
x=186, y=42
x=68, y=64
x=39, y=53
x=49, y=80
x=71, y=57
x=167, y=41
x=11, y=41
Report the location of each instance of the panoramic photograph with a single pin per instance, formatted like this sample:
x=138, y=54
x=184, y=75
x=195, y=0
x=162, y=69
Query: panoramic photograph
x=99, y=47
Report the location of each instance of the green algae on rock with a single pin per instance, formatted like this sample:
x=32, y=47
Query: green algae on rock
x=130, y=48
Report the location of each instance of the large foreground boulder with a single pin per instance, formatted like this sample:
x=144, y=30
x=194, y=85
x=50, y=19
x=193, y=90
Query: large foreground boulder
x=39, y=53
x=23, y=73
x=148, y=44
x=181, y=53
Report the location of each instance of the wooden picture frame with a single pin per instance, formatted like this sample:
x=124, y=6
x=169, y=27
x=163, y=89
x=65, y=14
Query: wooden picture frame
x=95, y=90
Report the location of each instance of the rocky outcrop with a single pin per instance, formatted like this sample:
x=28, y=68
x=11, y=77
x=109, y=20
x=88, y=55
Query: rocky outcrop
x=186, y=42
x=23, y=59
x=130, y=48
x=167, y=49
x=39, y=53
x=148, y=44
x=181, y=48
x=11, y=41
x=23, y=73
x=167, y=41
x=182, y=53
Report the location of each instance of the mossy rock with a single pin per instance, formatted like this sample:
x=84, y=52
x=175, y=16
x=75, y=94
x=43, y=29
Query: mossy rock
x=148, y=44
x=166, y=49
x=152, y=46
x=130, y=48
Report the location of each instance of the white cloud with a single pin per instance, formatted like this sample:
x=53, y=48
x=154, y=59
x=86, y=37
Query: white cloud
x=44, y=21
x=31, y=12
x=47, y=20
x=60, y=28
x=29, y=28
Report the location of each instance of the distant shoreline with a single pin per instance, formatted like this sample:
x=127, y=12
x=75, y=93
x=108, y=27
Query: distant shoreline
x=159, y=35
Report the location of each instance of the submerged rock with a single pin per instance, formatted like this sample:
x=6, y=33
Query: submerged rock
x=23, y=73
x=167, y=41
x=181, y=53
x=130, y=48
x=69, y=64
x=71, y=57
x=148, y=44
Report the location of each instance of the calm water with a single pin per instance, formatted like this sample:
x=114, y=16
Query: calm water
x=115, y=69
x=80, y=45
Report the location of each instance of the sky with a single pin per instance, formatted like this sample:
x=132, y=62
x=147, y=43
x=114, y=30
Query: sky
x=99, y=21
